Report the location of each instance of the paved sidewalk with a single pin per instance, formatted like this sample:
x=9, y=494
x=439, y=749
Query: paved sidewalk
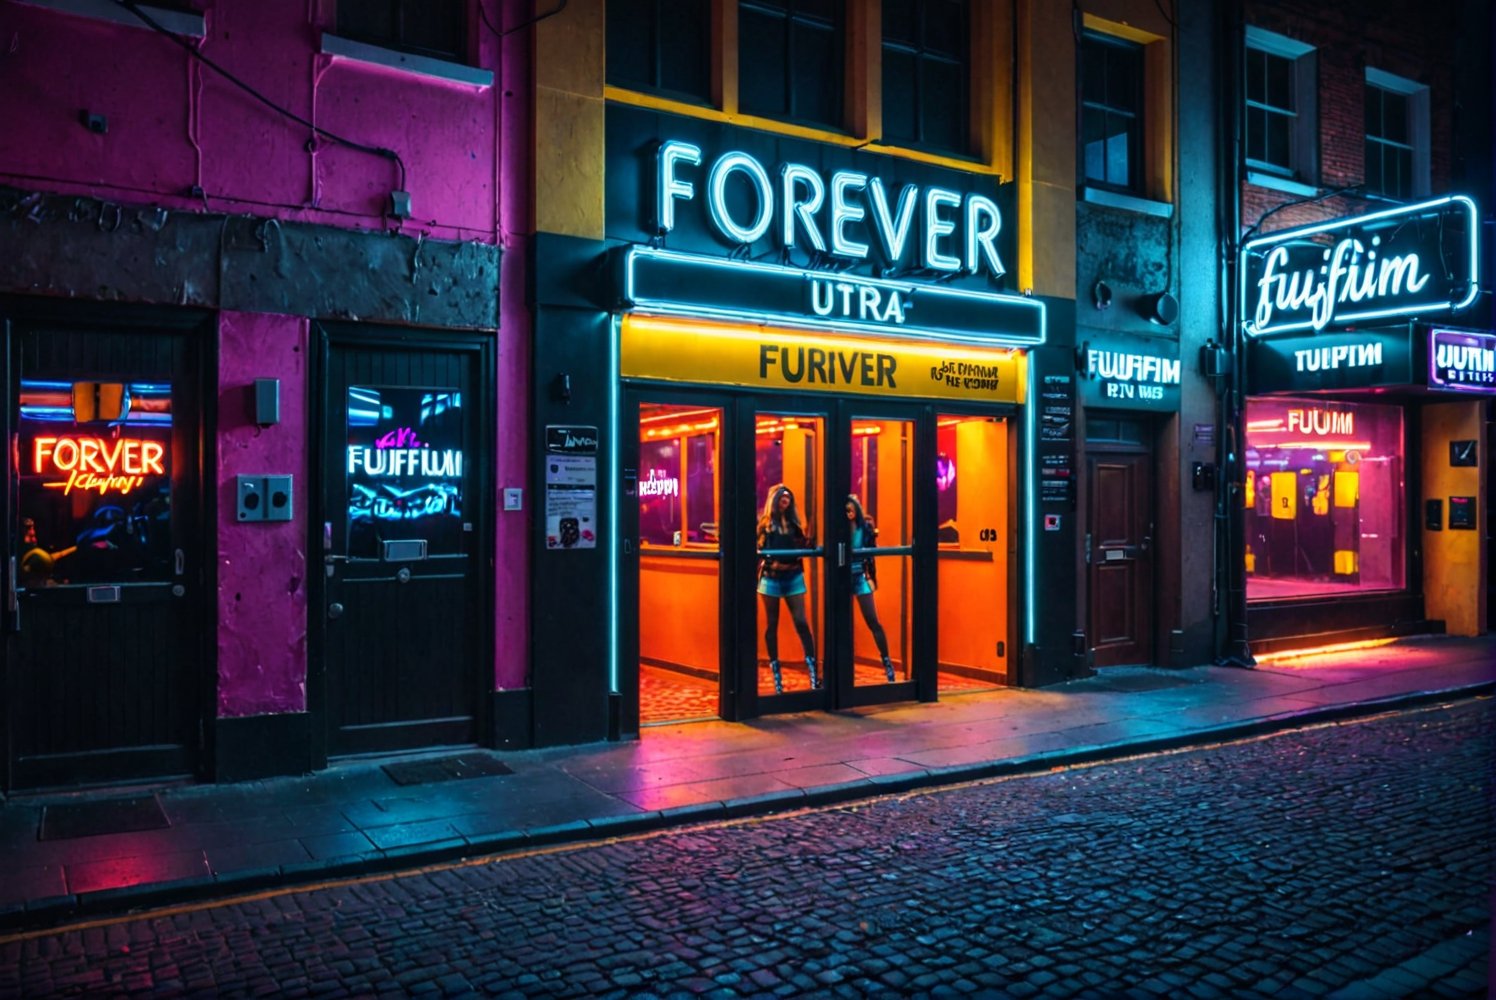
x=354, y=818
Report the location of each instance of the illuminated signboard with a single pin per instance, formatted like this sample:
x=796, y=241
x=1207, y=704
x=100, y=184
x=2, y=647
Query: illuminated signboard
x=676, y=350
x=1131, y=373
x=829, y=214
x=664, y=281
x=1418, y=259
x=405, y=466
x=97, y=465
x=1461, y=359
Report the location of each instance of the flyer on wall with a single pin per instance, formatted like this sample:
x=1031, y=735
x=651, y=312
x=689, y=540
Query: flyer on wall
x=570, y=487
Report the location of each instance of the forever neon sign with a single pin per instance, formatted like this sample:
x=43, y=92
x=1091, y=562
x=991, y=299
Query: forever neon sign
x=1419, y=259
x=800, y=208
x=97, y=465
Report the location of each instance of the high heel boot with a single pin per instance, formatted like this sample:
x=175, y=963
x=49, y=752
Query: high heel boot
x=810, y=664
x=778, y=677
x=888, y=667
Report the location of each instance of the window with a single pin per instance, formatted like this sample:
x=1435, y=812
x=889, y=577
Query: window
x=926, y=73
x=435, y=28
x=1280, y=120
x=1396, y=136
x=660, y=45
x=1324, y=497
x=790, y=60
x=1111, y=112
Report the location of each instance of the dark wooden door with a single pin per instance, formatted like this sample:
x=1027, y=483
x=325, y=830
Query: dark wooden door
x=404, y=507
x=106, y=666
x=1120, y=554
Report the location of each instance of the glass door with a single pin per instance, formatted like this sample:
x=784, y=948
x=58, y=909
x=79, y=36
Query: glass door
x=789, y=488
x=876, y=545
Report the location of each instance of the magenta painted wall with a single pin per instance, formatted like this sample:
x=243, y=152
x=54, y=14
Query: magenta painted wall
x=176, y=127
x=174, y=124
x=262, y=567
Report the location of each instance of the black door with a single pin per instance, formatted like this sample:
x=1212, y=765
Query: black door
x=402, y=522
x=106, y=675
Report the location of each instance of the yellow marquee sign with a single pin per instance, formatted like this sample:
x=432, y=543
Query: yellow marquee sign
x=702, y=352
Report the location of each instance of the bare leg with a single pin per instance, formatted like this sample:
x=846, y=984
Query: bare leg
x=870, y=615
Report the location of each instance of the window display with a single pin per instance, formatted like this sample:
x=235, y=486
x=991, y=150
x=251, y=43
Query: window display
x=1323, y=496
x=95, y=483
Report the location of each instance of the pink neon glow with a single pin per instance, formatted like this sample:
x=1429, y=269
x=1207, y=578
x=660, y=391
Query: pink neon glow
x=400, y=437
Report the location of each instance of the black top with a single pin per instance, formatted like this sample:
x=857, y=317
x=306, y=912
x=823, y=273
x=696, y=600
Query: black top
x=781, y=567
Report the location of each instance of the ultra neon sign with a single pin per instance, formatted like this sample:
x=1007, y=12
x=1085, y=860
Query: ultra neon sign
x=98, y=465
x=1414, y=260
x=957, y=233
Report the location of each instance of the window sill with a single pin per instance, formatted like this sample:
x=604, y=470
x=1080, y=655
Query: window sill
x=1278, y=182
x=1129, y=202
x=374, y=55
x=175, y=21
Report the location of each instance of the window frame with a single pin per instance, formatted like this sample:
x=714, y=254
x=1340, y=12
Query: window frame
x=922, y=56
x=790, y=16
x=1137, y=130
x=708, y=94
x=1417, y=96
x=462, y=55
x=1303, y=136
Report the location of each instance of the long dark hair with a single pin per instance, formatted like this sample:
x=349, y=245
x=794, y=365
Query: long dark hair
x=858, y=517
x=790, y=522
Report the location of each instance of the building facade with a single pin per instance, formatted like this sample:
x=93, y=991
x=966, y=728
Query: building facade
x=1360, y=499
x=257, y=394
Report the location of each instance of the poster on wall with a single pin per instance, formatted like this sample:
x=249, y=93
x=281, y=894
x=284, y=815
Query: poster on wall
x=570, y=487
x=404, y=468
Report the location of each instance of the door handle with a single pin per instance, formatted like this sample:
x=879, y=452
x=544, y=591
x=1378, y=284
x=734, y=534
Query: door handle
x=841, y=554
x=179, y=562
x=334, y=610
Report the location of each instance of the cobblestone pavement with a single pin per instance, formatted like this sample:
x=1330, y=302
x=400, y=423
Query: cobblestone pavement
x=1352, y=860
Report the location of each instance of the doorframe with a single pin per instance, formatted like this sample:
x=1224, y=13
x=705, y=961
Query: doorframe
x=322, y=337
x=200, y=327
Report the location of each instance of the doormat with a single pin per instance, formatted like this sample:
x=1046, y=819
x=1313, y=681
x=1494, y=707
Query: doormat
x=426, y=772
x=90, y=819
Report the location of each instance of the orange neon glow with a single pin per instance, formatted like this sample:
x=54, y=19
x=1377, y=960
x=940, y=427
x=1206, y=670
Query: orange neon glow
x=95, y=464
x=1319, y=445
x=1278, y=656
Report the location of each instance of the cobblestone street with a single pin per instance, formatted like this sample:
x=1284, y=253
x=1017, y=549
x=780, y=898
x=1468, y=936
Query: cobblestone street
x=1351, y=859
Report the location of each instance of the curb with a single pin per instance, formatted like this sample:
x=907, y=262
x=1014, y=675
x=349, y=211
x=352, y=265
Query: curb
x=42, y=914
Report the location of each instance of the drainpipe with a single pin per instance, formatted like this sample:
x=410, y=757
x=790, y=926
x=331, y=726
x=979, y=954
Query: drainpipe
x=1231, y=571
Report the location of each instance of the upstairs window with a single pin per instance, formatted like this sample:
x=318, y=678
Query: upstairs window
x=1111, y=112
x=662, y=46
x=790, y=62
x=1281, y=130
x=927, y=74
x=435, y=28
x=1396, y=136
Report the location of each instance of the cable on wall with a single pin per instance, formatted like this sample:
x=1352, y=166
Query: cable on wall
x=379, y=151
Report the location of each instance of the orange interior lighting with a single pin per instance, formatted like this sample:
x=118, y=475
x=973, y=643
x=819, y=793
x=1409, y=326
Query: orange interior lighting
x=1283, y=655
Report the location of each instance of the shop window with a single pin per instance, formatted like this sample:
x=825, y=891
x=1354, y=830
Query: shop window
x=678, y=477
x=790, y=60
x=1280, y=119
x=663, y=46
x=926, y=74
x=1111, y=112
x=436, y=28
x=1396, y=136
x=1324, y=498
x=95, y=485
x=405, y=466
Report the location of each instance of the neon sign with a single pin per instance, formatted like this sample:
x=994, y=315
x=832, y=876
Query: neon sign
x=791, y=208
x=1462, y=360
x=659, y=484
x=1321, y=422
x=431, y=463
x=97, y=465
x=1416, y=259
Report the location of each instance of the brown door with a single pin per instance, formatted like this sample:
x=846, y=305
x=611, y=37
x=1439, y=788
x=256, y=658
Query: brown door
x=1120, y=557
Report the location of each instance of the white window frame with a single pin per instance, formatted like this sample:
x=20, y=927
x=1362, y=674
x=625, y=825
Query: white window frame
x=1304, y=140
x=1418, y=123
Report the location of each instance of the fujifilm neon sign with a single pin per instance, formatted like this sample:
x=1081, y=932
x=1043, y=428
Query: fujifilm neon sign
x=847, y=215
x=1415, y=260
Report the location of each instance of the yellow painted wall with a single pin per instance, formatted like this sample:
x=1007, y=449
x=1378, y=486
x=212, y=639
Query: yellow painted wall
x=569, y=150
x=1044, y=49
x=1453, y=573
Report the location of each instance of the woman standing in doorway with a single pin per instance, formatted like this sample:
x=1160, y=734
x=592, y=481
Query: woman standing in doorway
x=864, y=581
x=783, y=578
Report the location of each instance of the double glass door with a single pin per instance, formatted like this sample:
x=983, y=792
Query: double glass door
x=779, y=556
